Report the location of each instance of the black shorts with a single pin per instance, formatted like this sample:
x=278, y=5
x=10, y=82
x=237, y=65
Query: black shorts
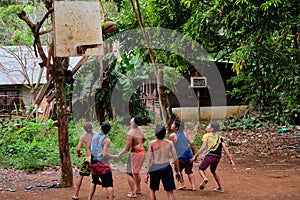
x=186, y=165
x=164, y=174
x=105, y=180
x=85, y=168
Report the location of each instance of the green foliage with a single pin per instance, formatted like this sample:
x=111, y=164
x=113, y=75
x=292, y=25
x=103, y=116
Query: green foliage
x=125, y=19
x=167, y=14
x=198, y=141
x=85, y=84
x=261, y=38
x=137, y=109
x=33, y=145
x=13, y=30
x=117, y=136
x=247, y=122
x=29, y=145
x=130, y=71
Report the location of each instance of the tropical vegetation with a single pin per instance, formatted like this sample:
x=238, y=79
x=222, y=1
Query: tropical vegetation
x=261, y=38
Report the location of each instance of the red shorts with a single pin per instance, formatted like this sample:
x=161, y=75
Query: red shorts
x=211, y=161
x=100, y=168
x=135, y=161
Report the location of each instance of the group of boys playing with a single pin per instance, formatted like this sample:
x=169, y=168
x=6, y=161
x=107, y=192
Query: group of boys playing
x=179, y=144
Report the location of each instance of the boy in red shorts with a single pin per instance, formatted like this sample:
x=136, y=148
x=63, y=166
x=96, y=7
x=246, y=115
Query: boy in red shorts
x=135, y=139
x=100, y=166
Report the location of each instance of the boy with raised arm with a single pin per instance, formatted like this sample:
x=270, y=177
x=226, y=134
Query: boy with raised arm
x=84, y=140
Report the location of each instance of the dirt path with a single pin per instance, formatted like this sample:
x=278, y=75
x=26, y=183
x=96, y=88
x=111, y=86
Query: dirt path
x=251, y=178
x=267, y=167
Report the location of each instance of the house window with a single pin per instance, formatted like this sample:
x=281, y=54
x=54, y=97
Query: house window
x=10, y=100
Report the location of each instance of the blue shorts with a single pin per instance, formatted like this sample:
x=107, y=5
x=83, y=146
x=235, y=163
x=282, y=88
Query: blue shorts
x=165, y=174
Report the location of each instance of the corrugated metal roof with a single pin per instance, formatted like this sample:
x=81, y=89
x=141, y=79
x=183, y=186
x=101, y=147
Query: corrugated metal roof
x=5, y=77
x=14, y=60
x=19, y=65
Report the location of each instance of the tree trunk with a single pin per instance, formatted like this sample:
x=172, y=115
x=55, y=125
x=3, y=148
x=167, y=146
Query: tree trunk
x=66, y=166
x=60, y=66
x=158, y=73
x=170, y=113
x=57, y=71
x=161, y=95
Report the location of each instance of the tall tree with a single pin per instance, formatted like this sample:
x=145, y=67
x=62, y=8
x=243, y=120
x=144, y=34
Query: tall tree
x=13, y=31
x=262, y=38
x=58, y=72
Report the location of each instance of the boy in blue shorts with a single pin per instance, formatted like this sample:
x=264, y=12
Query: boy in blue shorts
x=158, y=166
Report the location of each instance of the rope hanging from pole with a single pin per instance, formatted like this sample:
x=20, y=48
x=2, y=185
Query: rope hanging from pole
x=101, y=70
x=103, y=9
x=158, y=73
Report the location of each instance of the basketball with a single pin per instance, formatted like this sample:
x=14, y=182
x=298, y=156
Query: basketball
x=110, y=27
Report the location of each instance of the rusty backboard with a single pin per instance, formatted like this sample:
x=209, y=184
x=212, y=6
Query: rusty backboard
x=77, y=28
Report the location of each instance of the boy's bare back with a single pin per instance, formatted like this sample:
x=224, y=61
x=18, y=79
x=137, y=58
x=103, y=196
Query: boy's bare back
x=161, y=150
x=137, y=138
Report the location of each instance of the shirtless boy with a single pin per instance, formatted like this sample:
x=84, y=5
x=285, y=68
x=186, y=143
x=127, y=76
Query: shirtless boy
x=135, y=139
x=158, y=166
x=85, y=168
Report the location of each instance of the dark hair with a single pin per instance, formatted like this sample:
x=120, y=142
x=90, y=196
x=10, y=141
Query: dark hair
x=88, y=127
x=215, y=126
x=160, y=131
x=105, y=127
x=138, y=120
x=179, y=124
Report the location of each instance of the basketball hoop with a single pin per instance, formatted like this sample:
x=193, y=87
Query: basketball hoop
x=77, y=29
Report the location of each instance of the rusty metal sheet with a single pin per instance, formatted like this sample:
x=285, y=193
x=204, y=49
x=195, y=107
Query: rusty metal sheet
x=77, y=25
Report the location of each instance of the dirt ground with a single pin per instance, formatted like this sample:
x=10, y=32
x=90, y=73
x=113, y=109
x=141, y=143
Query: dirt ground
x=262, y=171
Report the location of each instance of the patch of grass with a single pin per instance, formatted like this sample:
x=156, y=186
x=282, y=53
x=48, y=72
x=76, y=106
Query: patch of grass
x=29, y=145
x=32, y=145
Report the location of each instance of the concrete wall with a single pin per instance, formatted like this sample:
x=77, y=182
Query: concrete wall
x=217, y=112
